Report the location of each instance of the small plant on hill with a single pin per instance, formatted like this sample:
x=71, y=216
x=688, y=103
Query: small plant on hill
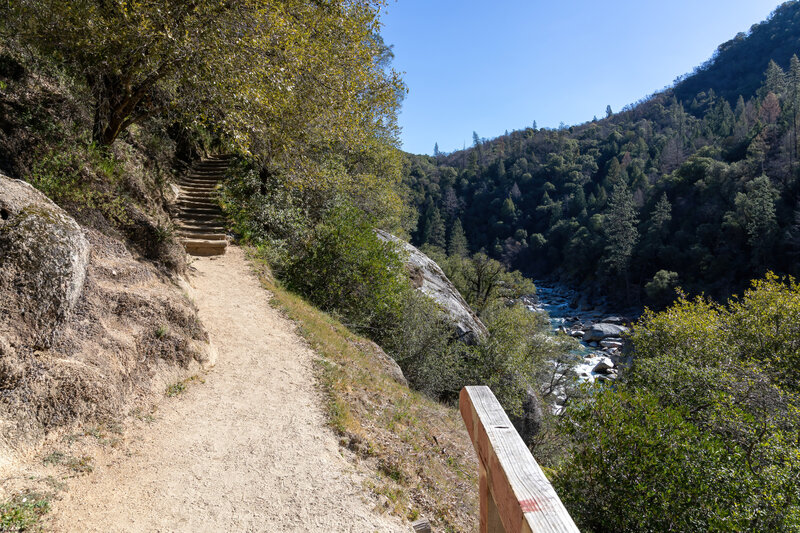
x=22, y=512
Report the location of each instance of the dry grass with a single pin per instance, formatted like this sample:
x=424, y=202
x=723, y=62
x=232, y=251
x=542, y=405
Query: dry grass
x=420, y=453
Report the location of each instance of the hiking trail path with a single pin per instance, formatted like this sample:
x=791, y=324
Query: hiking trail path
x=245, y=450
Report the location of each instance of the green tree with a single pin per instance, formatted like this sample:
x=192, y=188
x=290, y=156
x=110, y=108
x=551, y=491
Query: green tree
x=793, y=101
x=775, y=80
x=755, y=212
x=258, y=70
x=700, y=434
x=619, y=229
x=508, y=210
x=662, y=287
x=347, y=269
x=434, y=231
x=458, y=245
x=661, y=216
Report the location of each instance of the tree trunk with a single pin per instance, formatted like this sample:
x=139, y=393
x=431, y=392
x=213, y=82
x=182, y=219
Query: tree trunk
x=118, y=105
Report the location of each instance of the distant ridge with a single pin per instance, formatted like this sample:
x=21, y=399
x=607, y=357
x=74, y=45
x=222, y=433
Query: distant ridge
x=737, y=67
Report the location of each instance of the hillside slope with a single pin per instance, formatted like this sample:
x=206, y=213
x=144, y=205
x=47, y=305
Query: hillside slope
x=738, y=64
x=678, y=190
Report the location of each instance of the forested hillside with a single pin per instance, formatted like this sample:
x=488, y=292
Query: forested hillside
x=695, y=190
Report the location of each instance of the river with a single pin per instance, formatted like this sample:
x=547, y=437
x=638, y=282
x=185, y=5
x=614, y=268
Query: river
x=569, y=313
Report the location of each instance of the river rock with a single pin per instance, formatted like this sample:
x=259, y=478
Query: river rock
x=427, y=277
x=603, y=366
x=577, y=333
x=600, y=331
x=611, y=342
x=43, y=260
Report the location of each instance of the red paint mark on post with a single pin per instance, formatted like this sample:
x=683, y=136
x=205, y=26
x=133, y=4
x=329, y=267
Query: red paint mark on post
x=529, y=506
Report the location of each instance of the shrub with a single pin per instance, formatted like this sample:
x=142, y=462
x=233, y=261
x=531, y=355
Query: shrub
x=422, y=344
x=515, y=357
x=702, y=432
x=346, y=269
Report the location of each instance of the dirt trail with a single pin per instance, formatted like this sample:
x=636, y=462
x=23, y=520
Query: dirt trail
x=245, y=451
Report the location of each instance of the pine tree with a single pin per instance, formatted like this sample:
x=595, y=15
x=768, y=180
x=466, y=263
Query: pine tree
x=741, y=125
x=619, y=229
x=501, y=170
x=775, y=80
x=661, y=216
x=436, y=150
x=578, y=201
x=434, y=232
x=509, y=210
x=755, y=210
x=609, y=112
x=458, y=245
x=793, y=103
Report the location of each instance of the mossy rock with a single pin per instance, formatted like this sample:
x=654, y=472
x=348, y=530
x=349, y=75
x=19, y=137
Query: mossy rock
x=43, y=261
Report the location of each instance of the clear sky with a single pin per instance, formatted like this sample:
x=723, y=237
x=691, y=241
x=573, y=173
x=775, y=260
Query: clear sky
x=495, y=65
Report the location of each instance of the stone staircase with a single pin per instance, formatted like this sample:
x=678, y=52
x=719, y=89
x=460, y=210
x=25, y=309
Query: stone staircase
x=201, y=225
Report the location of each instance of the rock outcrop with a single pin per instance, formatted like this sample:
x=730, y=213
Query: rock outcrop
x=43, y=260
x=598, y=332
x=88, y=331
x=530, y=423
x=427, y=277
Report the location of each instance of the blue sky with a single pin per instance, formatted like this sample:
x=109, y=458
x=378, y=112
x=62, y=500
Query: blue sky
x=491, y=66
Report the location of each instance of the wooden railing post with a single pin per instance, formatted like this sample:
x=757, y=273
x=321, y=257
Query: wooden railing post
x=515, y=495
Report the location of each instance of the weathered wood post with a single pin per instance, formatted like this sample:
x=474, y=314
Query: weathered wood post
x=516, y=497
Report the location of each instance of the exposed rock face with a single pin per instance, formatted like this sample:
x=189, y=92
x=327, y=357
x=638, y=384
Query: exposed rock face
x=388, y=365
x=427, y=277
x=43, y=260
x=529, y=424
x=599, y=332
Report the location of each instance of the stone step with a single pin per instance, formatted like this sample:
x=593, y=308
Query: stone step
x=198, y=190
x=199, y=183
x=202, y=195
x=205, y=218
x=190, y=212
x=210, y=225
x=208, y=191
x=200, y=228
x=204, y=247
x=200, y=201
x=210, y=186
x=196, y=202
x=202, y=235
x=203, y=176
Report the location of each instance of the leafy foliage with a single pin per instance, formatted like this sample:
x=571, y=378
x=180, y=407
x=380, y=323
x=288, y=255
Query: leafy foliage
x=702, y=432
x=346, y=268
x=241, y=67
